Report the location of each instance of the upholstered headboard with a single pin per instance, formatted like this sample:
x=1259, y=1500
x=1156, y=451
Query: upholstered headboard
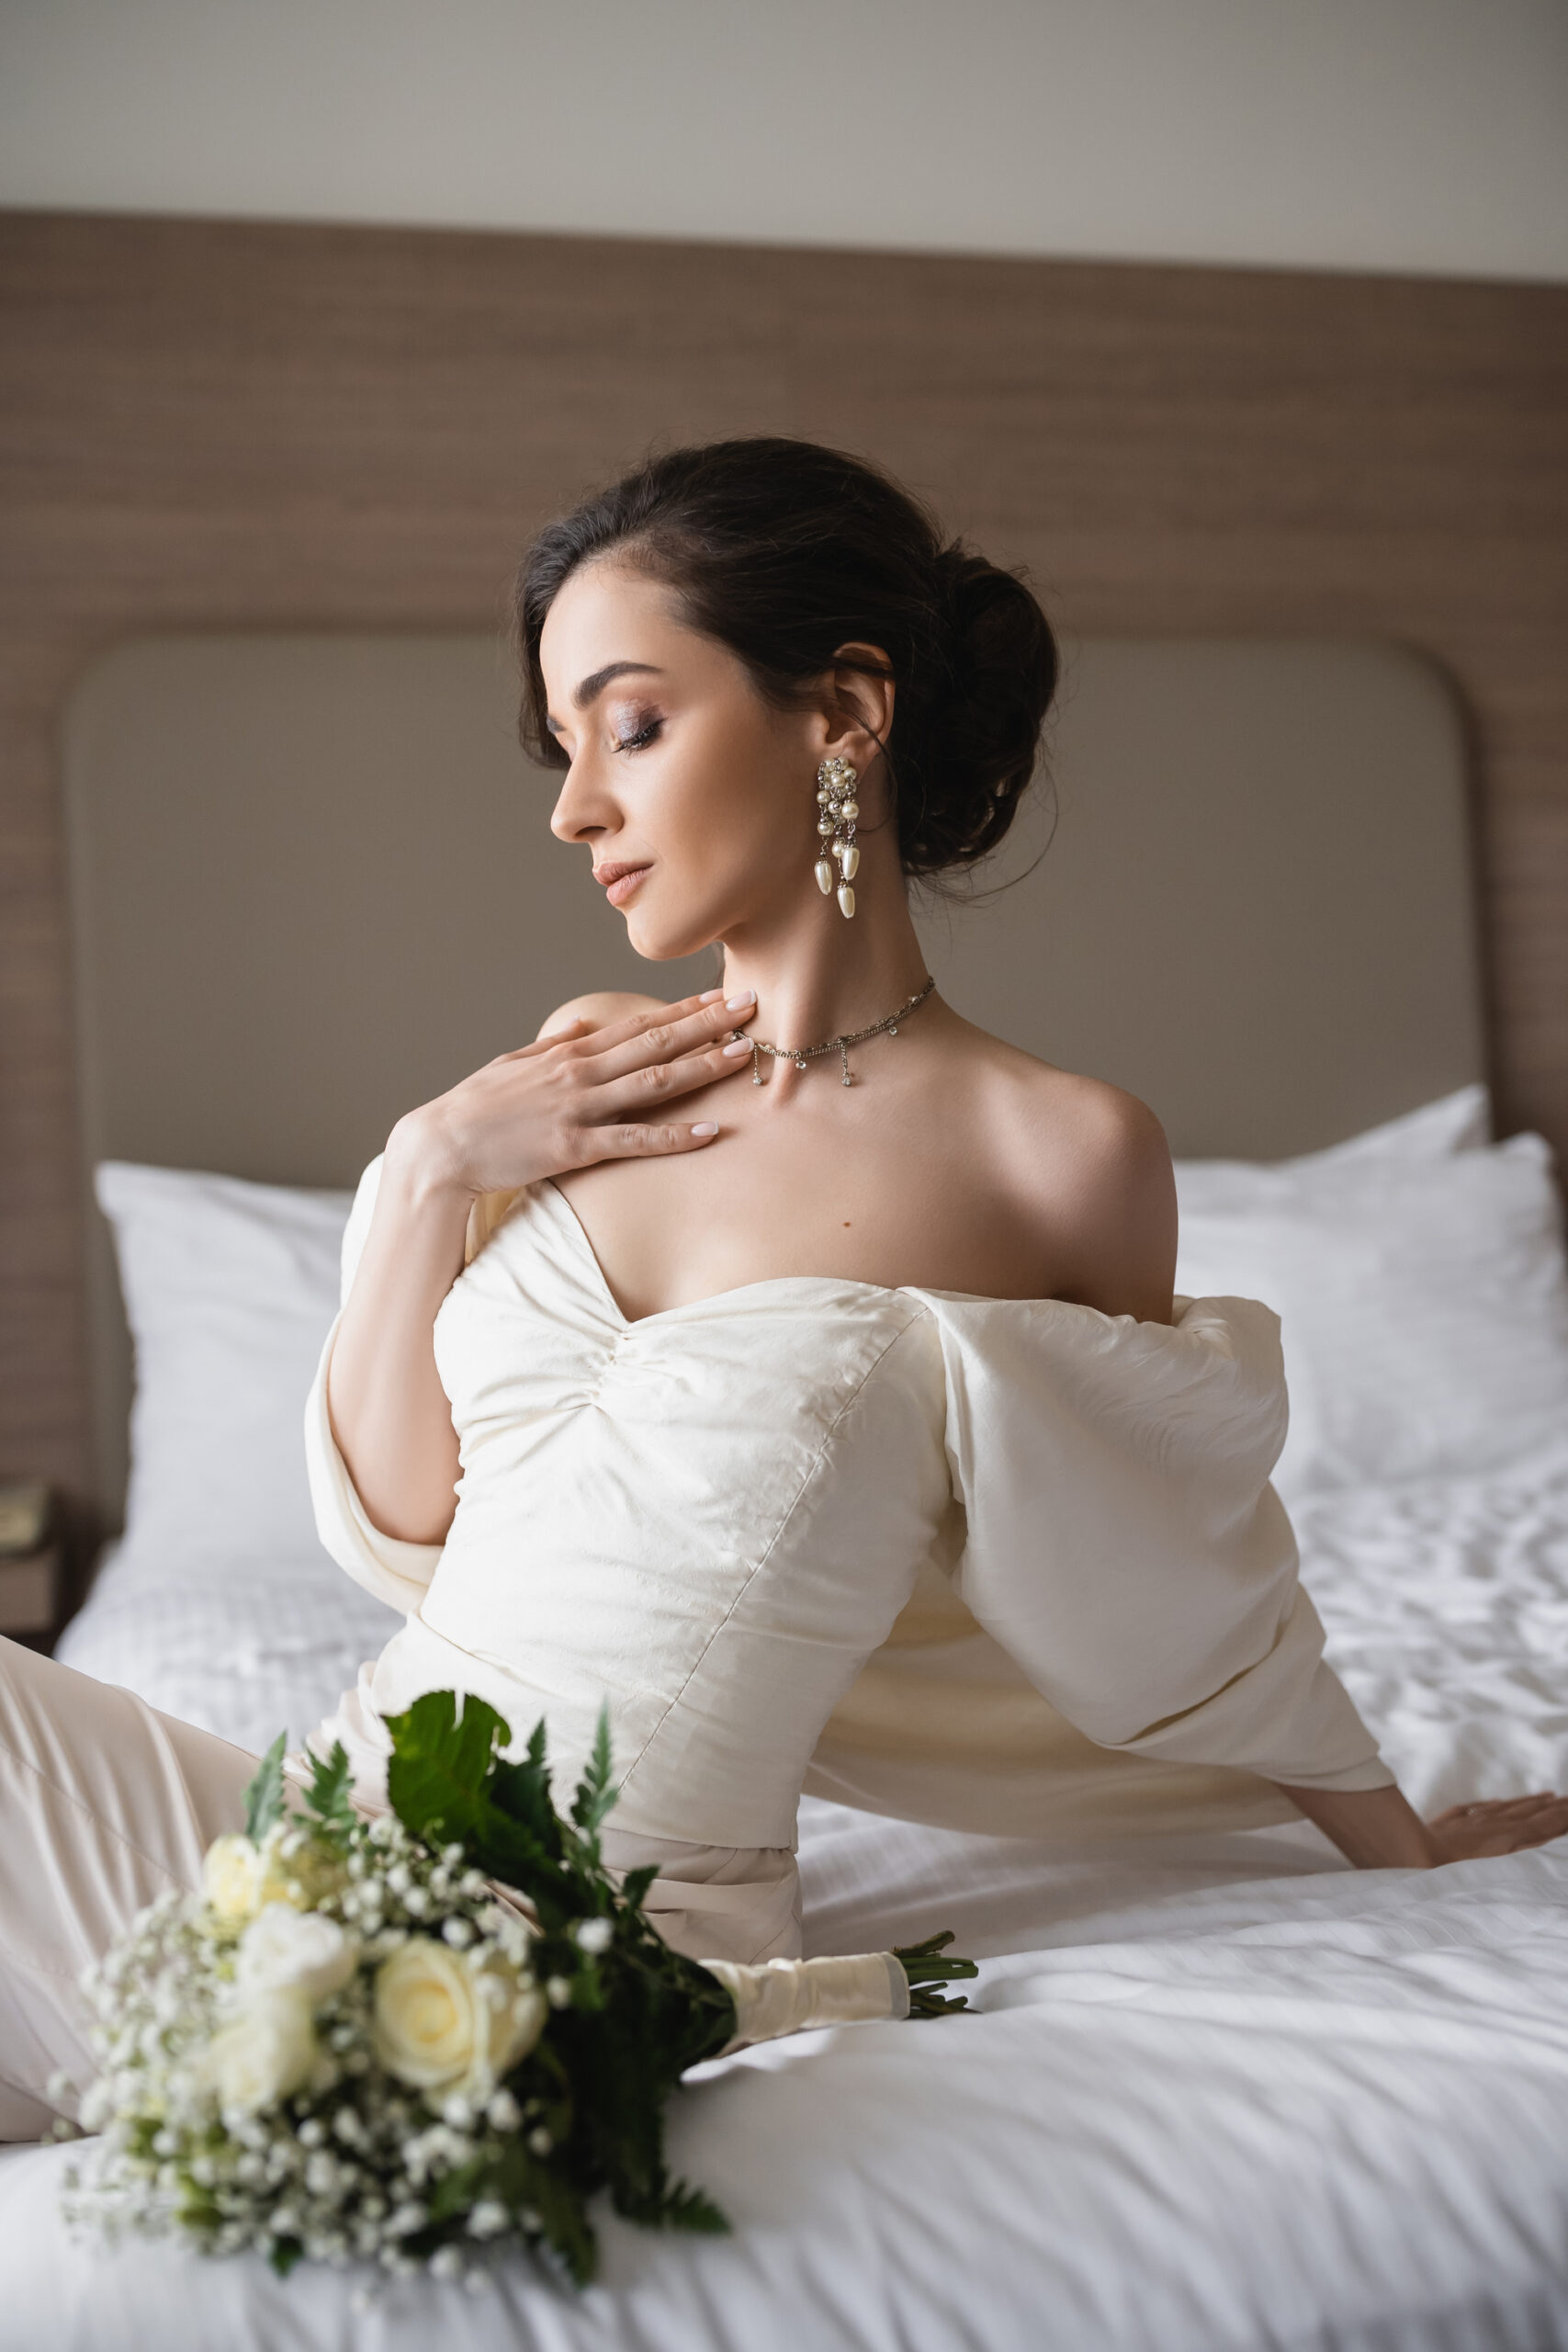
x=312, y=882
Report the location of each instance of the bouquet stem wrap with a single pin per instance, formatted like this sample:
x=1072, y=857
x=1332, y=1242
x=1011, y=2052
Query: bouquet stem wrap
x=779, y=1996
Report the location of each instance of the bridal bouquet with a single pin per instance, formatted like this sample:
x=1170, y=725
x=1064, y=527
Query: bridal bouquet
x=402, y=2040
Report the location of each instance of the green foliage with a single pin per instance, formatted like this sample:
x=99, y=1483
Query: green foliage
x=264, y=1796
x=449, y=1786
x=331, y=1793
x=638, y=2014
x=687, y=2207
x=596, y=1794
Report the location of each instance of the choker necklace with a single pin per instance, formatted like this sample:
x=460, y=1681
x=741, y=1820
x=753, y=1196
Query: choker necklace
x=801, y=1054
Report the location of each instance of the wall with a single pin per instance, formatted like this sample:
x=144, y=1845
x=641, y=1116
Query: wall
x=1409, y=135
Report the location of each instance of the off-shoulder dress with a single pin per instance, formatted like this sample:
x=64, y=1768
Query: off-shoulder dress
x=1007, y=1565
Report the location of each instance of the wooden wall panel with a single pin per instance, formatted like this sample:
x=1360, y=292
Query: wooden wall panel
x=243, y=425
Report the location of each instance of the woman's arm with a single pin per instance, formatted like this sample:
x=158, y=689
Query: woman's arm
x=389, y=1413
x=569, y=1098
x=1378, y=1830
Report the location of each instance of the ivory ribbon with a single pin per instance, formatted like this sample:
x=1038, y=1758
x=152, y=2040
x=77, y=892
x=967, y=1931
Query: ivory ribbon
x=777, y=1997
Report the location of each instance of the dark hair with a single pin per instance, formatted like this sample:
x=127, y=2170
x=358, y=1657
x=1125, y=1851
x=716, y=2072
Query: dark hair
x=783, y=550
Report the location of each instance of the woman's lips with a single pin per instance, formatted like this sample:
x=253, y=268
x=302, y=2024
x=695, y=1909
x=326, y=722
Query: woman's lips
x=620, y=881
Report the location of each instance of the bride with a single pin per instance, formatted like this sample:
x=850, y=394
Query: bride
x=689, y=1352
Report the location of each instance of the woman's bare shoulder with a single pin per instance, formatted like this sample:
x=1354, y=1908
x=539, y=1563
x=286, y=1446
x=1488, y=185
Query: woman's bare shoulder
x=598, y=1009
x=1089, y=1168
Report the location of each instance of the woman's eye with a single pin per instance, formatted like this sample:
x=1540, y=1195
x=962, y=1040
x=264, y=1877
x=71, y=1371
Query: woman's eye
x=644, y=735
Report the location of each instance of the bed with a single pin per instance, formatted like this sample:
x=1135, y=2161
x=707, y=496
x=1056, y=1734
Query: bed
x=1222, y=2091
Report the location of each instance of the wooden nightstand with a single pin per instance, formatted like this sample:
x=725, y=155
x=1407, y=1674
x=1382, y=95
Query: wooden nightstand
x=32, y=1577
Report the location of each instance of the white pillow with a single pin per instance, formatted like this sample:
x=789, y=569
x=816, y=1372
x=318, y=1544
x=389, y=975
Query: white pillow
x=230, y=1291
x=1422, y=1295
x=1460, y=1122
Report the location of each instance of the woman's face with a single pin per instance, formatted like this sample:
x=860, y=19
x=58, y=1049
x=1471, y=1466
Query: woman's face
x=697, y=800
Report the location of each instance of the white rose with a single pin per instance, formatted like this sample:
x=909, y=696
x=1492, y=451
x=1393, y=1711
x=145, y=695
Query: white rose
x=269, y=2051
x=284, y=1948
x=449, y=2020
x=240, y=1878
x=230, y=1877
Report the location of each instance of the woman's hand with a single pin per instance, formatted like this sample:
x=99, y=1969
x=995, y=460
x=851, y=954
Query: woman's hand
x=1497, y=1825
x=572, y=1099
x=1378, y=1830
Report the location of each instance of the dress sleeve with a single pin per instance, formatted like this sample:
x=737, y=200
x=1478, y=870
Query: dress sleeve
x=395, y=1572
x=1124, y=1545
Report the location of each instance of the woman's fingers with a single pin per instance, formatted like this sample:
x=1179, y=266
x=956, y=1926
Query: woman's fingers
x=1501, y=1808
x=620, y=1032
x=657, y=1041
x=649, y=1140
x=638, y=1095
x=1500, y=1826
x=565, y=1036
x=1541, y=1828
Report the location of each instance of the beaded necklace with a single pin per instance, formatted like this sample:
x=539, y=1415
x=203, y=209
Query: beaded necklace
x=800, y=1055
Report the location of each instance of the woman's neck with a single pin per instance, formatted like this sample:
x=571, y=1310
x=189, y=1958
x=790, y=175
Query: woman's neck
x=819, y=975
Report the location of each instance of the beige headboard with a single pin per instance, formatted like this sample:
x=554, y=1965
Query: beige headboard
x=312, y=883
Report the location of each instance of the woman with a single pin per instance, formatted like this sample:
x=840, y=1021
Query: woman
x=724, y=1321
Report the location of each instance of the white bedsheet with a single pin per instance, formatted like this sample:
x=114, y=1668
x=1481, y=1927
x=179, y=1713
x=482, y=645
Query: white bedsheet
x=1314, y=2113
x=1223, y=2092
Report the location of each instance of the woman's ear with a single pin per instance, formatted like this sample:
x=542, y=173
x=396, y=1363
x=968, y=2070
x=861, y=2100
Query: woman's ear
x=859, y=717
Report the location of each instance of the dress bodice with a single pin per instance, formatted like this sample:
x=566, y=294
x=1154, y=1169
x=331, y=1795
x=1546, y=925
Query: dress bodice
x=711, y=1518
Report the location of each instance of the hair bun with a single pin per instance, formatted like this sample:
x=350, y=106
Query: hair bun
x=787, y=552
x=994, y=686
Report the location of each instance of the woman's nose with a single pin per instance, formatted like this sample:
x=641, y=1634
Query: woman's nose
x=583, y=807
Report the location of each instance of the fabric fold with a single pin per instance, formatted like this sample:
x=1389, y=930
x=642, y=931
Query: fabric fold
x=1124, y=1544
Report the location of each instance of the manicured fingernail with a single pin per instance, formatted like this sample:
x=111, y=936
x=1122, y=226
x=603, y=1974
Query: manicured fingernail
x=705, y=1127
x=710, y=996
x=738, y=1003
x=738, y=1046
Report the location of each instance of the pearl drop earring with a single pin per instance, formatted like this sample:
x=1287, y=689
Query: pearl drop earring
x=838, y=813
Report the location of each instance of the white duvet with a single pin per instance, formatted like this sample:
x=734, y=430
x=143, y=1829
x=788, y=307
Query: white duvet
x=1221, y=2093
x=1312, y=2111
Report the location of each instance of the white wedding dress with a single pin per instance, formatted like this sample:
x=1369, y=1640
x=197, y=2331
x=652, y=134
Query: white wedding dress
x=934, y=1553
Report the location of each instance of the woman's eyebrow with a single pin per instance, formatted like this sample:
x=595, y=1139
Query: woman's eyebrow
x=596, y=683
x=597, y=680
